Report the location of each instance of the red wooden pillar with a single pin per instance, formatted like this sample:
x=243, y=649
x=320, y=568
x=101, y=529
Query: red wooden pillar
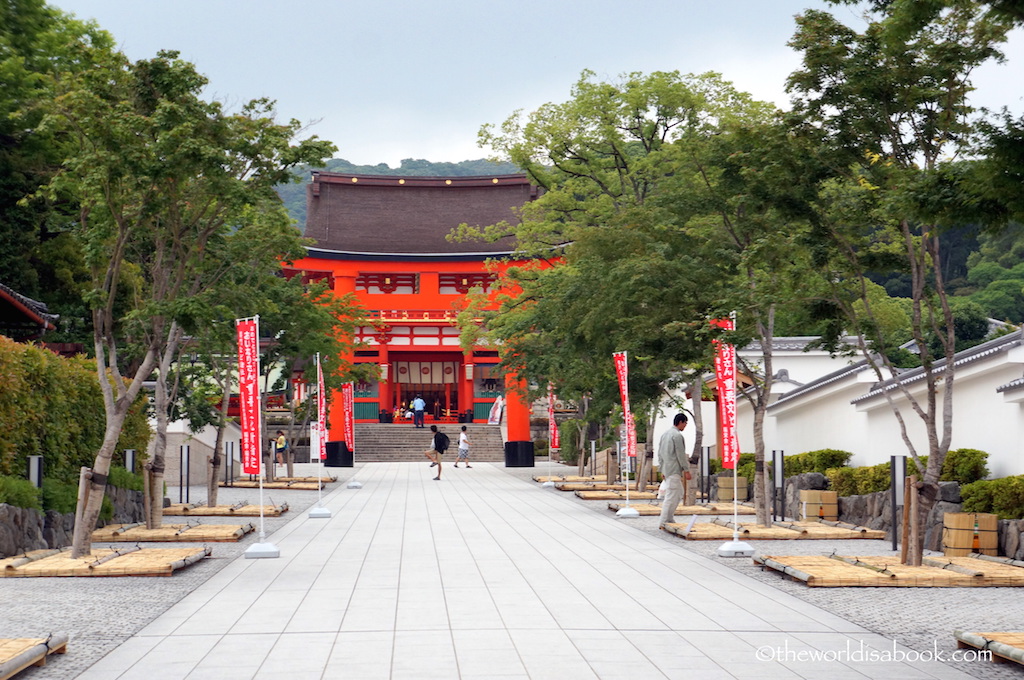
x=466, y=383
x=517, y=411
x=336, y=407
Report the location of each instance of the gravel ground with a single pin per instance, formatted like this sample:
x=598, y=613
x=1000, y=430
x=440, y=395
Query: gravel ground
x=101, y=613
x=98, y=614
x=923, y=619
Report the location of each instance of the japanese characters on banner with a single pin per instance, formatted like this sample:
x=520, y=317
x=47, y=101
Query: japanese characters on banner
x=725, y=378
x=321, y=411
x=349, y=407
x=622, y=372
x=554, y=443
x=248, y=331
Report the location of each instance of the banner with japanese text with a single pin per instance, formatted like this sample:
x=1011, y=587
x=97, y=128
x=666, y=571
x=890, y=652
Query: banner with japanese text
x=321, y=411
x=552, y=425
x=622, y=373
x=248, y=331
x=725, y=378
x=348, y=403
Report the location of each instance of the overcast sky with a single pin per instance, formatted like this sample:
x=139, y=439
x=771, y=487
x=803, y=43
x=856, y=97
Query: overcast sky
x=392, y=79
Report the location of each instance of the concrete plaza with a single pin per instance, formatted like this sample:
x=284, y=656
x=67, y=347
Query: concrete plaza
x=484, y=574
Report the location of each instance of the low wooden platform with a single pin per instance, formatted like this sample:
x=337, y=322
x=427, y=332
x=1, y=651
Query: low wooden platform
x=190, y=533
x=569, y=478
x=599, y=486
x=326, y=479
x=722, y=530
x=276, y=484
x=17, y=654
x=647, y=509
x=1004, y=646
x=887, y=572
x=124, y=561
x=239, y=510
x=616, y=495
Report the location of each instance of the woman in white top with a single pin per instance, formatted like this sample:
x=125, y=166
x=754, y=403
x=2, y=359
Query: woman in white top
x=463, y=448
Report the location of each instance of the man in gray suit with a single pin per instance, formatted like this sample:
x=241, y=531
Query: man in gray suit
x=674, y=464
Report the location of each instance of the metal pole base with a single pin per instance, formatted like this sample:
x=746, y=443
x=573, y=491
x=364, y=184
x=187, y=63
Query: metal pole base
x=735, y=548
x=354, y=485
x=548, y=485
x=319, y=513
x=262, y=550
x=627, y=512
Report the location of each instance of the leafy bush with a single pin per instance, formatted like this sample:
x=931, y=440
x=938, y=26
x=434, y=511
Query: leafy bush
x=52, y=406
x=821, y=461
x=843, y=480
x=1004, y=497
x=965, y=466
x=120, y=477
x=540, y=447
x=59, y=496
x=19, y=492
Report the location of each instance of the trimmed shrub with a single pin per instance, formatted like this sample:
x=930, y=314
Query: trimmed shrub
x=843, y=480
x=59, y=496
x=965, y=466
x=120, y=477
x=19, y=492
x=1004, y=497
x=821, y=461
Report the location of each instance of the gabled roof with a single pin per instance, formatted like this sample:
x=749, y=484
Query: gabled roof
x=827, y=379
x=23, y=318
x=1003, y=343
x=380, y=217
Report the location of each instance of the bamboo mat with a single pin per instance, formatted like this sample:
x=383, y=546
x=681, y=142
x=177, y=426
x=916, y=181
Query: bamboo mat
x=616, y=495
x=647, y=509
x=821, y=571
x=240, y=510
x=307, y=480
x=17, y=654
x=598, y=486
x=710, y=531
x=569, y=478
x=277, y=484
x=190, y=533
x=1004, y=646
x=103, y=562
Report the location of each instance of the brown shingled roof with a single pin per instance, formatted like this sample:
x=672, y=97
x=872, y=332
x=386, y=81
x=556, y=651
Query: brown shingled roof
x=410, y=215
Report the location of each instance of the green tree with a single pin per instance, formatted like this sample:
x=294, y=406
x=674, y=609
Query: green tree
x=161, y=177
x=891, y=102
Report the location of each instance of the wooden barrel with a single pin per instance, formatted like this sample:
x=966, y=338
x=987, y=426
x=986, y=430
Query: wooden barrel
x=725, y=488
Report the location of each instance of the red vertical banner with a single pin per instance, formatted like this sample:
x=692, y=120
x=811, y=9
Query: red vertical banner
x=248, y=331
x=553, y=441
x=622, y=373
x=725, y=378
x=321, y=411
x=349, y=405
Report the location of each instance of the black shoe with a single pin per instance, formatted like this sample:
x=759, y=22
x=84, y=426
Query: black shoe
x=436, y=478
x=433, y=464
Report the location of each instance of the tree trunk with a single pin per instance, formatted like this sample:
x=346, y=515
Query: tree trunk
x=162, y=398
x=94, y=486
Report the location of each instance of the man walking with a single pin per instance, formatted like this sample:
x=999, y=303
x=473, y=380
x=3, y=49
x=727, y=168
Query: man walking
x=418, y=407
x=674, y=464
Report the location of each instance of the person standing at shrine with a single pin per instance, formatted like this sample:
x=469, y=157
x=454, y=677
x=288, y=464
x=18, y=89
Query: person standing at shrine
x=674, y=464
x=418, y=408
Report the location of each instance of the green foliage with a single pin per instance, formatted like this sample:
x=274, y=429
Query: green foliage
x=540, y=447
x=815, y=461
x=849, y=481
x=745, y=466
x=965, y=466
x=120, y=477
x=52, y=406
x=59, y=496
x=19, y=492
x=1004, y=497
x=843, y=480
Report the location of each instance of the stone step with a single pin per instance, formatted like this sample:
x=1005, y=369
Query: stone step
x=387, y=442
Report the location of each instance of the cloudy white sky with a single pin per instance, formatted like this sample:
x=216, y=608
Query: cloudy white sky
x=392, y=79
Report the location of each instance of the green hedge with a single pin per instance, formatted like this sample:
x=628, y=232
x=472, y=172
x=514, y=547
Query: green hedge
x=961, y=465
x=20, y=492
x=815, y=461
x=1004, y=497
x=52, y=406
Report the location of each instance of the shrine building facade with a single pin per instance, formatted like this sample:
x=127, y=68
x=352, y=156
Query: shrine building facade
x=384, y=240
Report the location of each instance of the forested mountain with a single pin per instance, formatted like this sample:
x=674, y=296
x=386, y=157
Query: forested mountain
x=294, y=195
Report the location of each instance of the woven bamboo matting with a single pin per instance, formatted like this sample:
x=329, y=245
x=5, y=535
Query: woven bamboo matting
x=720, y=509
x=1004, y=646
x=276, y=484
x=179, y=509
x=826, y=572
x=17, y=654
x=103, y=562
x=616, y=495
x=570, y=478
x=598, y=486
x=190, y=533
x=327, y=479
x=707, y=531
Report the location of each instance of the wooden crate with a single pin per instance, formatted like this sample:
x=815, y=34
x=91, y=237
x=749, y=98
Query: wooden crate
x=964, y=533
x=819, y=505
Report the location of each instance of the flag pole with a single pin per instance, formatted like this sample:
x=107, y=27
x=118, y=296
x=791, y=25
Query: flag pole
x=320, y=512
x=262, y=549
x=727, y=417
